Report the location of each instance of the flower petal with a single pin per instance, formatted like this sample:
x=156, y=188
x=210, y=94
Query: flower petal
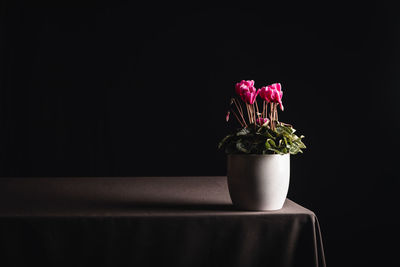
x=269, y=94
x=263, y=94
x=276, y=86
x=281, y=105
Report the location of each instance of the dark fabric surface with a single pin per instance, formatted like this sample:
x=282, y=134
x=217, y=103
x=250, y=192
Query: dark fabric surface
x=149, y=221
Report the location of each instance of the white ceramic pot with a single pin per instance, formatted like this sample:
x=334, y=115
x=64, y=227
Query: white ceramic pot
x=258, y=182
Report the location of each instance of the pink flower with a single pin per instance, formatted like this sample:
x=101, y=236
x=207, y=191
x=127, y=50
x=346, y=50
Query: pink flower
x=244, y=87
x=250, y=97
x=262, y=121
x=272, y=93
x=265, y=93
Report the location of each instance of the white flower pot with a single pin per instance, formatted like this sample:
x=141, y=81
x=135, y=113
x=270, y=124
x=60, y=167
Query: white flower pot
x=258, y=182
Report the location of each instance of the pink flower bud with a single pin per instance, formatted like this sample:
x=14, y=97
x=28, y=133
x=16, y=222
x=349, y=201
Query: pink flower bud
x=262, y=121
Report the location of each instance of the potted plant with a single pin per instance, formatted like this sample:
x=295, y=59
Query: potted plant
x=258, y=152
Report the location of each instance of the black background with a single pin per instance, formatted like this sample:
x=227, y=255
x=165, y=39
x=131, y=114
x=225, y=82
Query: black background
x=121, y=89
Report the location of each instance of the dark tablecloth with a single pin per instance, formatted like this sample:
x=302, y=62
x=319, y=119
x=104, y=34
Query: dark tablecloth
x=147, y=221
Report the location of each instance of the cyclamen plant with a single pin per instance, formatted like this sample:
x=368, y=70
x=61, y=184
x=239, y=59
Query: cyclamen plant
x=262, y=132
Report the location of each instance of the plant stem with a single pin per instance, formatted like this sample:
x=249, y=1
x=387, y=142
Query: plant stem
x=273, y=111
x=272, y=116
x=234, y=113
x=248, y=113
x=251, y=113
x=258, y=112
x=240, y=110
x=238, y=106
x=263, y=112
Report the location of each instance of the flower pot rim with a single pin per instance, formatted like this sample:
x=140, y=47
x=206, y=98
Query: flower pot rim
x=258, y=155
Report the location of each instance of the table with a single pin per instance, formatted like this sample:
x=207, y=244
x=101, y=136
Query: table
x=147, y=221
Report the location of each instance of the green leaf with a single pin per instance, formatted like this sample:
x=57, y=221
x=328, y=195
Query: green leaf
x=301, y=144
x=285, y=129
x=263, y=140
x=267, y=145
x=269, y=135
x=279, y=129
x=242, y=147
x=243, y=131
x=280, y=142
x=294, y=149
x=271, y=142
x=286, y=142
x=224, y=140
x=277, y=151
x=288, y=127
x=262, y=129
